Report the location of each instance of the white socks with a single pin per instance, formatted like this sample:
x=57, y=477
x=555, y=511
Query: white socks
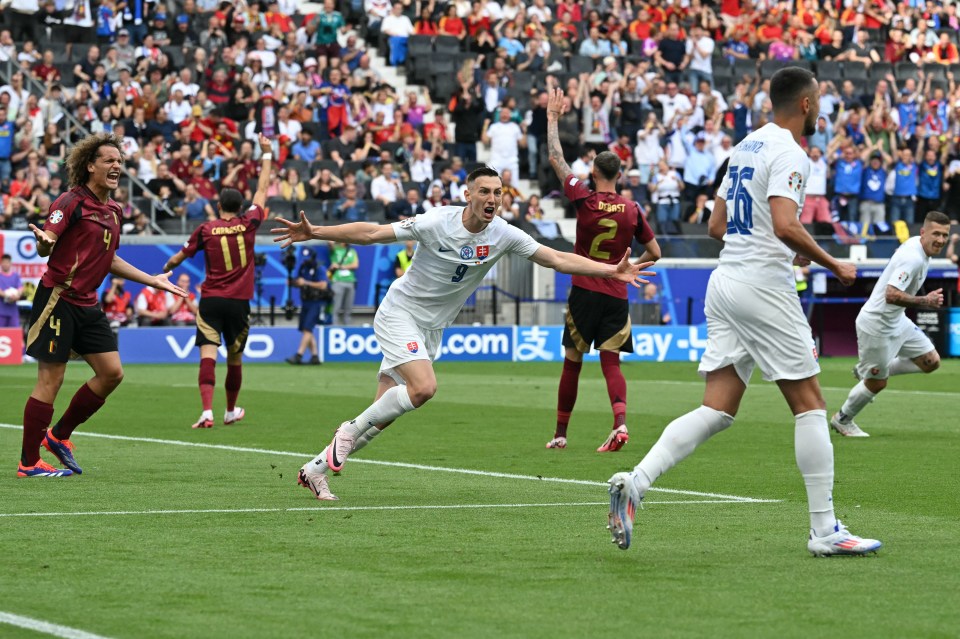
x=366, y=438
x=678, y=440
x=392, y=404
x=815, y=460
x=858, y=398
x=903, y=366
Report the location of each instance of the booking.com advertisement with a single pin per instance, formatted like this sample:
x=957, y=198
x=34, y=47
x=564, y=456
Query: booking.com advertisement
x=460, y=344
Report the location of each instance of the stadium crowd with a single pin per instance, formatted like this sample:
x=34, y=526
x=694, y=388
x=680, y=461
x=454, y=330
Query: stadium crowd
x=670, y=87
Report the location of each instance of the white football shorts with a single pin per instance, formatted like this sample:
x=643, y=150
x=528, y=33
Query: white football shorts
x=402, y=341
x=877, y=351
x=749, y=326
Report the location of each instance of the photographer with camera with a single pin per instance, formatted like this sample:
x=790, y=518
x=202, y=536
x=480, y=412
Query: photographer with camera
x=116, y=304
x=314, y=296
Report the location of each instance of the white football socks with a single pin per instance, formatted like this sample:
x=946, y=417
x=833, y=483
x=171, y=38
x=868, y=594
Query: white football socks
x=366, y=438
x=392, y=404
x=815, y=460
x=858, y=398
x=903, y=366
x=678, y=440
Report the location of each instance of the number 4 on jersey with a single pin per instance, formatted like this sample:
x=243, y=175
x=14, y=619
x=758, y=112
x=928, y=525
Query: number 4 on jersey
x=739, y=202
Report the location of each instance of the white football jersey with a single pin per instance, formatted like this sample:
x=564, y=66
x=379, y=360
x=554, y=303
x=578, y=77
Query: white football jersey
x=906, y=271
x=450, y=263
x=767, y=163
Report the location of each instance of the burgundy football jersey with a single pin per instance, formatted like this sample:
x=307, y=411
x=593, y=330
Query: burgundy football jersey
x=606, y=227
x=227, y=247
x=88, y=234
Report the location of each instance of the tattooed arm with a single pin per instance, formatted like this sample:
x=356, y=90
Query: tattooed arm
x=555, y=108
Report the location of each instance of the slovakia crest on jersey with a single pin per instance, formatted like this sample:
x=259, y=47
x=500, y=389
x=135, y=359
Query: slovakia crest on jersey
x=483, y=252
x=466, y=253
x=413, y=347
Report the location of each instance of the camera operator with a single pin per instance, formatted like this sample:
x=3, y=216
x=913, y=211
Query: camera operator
x=116, y=304
x=314, y=296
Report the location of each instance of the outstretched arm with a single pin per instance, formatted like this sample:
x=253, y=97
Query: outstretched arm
x=175, y=261
x=127, y=271
x=574, y=264
x=554, y=150
x=353, y=233
x=263, y=182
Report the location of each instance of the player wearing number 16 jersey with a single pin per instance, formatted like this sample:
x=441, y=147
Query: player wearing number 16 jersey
x=81, y=236
x=457, y=247
x=754, y=317
x=597, y=310
x=227, y=244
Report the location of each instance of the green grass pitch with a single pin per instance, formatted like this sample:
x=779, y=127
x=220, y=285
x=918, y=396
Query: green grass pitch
x=534, y=561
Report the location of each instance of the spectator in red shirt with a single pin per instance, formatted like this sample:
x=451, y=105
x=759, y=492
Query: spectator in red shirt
x=152, y=307
x=205, y=187
x=44, y=70
x=770, y=30
x=116, y=303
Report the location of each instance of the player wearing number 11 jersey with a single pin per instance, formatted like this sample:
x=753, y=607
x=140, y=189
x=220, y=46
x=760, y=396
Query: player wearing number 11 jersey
x=81, y=236
x=227, y=244
x=754, y=318
x=457, y=247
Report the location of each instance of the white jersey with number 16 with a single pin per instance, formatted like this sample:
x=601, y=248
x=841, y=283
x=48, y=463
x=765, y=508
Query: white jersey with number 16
x=450, y=263
x=767, y=163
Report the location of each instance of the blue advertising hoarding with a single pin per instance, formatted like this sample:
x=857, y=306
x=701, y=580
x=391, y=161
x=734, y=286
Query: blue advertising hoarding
x=460, y=344
x=170, y=345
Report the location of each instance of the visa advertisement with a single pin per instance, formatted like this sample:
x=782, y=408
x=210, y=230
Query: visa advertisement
x=459, y=344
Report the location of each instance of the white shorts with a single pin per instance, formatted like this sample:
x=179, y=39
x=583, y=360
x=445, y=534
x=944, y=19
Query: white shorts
x=402, y=341
x=877, y=351
x=749, y=326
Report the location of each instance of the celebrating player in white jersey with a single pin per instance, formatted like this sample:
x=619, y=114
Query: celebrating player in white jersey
x=754, y=317
x=457, y=247
x=888, y=343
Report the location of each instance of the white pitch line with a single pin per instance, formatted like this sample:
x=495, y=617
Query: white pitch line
x=240, y=511
x=443, y=469
x=45, y=627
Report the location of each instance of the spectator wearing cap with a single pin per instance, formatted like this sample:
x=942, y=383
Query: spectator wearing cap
x=205, y=188
x=184, y=34
x=872, y=193
x=699, y=168
x=638, y=192
x=159, y=29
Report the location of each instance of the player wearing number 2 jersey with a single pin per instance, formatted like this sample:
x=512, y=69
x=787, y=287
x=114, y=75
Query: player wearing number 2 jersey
x=457, y=247
x=227, y=244
x=754, y=317
x=597, y=310
x=81, y=237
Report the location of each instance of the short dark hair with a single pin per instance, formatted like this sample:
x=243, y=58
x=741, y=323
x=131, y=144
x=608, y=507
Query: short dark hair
x=6, y=256
x=483, y=171
x=607, y=164
x=230, y=200
x=936, y=217
x=788, y=85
